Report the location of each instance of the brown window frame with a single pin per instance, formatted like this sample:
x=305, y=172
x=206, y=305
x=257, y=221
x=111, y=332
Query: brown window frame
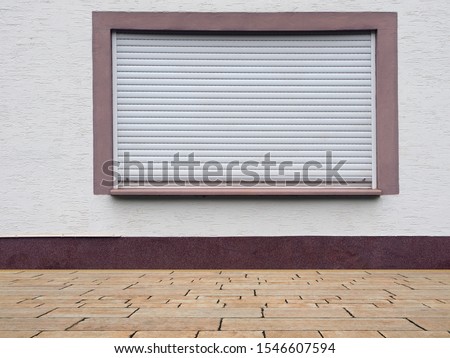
x=383, y=23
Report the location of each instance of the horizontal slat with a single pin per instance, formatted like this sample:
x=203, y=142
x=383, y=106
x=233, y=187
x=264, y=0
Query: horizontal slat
x=243, y=101
x=242, y=113
x=240, y=95
x=242, y=146
x=354, y=175
x=311, y=130
x=235, y=56
x=233, y=131
x=241, y=63
x=230, y=68
x=140, y=189
x=313, y=172
x=156, y=177
x=266, y=122
x=123, y=36
x=148, y=137
x=243, y=187
x=168, y=152
x=272, y=43
x=129, y=75
x=314, y=169
x=126, y=48
x=149, y=108
x=245, y=88
x=313, y=166
x=239, y=82
x=351, y=162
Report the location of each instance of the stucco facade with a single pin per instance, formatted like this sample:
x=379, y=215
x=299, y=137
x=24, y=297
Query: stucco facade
x=46, y=137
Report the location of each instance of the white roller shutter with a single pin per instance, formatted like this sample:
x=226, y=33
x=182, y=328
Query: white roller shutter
x=235, y=98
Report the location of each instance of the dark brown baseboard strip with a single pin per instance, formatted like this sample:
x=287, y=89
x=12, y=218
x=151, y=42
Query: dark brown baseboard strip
x=306, y=252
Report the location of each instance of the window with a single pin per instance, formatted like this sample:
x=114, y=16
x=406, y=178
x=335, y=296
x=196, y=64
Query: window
x=238, y=103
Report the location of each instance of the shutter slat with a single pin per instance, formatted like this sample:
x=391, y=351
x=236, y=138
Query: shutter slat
x=240, y=101
x=171, y=113
x=123, y=36
x=242, y=146
x=137, y=89
x=150, y=108
x=247, y=123
x=313, y=173
x=242, y=138
x=249, y=131
x=229, y=55
x=127, y=48
x=231, y=68
x=129, y=77
x=242, y=63
x=351, y=162
x=241, y=82
x=212, y=43
x=290, y=153
x=130, y=97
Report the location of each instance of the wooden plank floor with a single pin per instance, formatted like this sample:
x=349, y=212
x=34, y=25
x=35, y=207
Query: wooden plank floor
x=214, y=303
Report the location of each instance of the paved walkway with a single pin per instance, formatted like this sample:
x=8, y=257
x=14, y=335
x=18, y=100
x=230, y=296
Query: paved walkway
x=238, y=303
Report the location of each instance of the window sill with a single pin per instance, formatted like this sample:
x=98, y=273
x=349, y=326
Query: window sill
x=245, y=191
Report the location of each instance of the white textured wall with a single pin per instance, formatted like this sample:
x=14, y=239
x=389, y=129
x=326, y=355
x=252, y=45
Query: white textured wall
x=46, y=133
